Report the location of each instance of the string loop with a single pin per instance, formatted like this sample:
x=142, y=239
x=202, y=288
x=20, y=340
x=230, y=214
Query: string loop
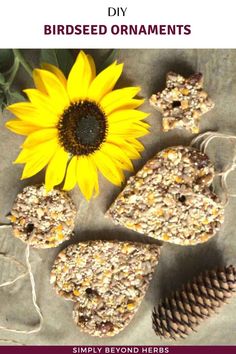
x=202, y=141
x=33, y=292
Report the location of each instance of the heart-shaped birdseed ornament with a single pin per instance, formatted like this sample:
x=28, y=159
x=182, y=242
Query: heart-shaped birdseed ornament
x=107, y=280
x=169, y=198
x=42, y=219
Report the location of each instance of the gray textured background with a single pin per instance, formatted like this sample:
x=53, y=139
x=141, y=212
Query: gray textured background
x=177, y=264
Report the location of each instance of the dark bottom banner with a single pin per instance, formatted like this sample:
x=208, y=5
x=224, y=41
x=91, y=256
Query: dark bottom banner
x=119, y=349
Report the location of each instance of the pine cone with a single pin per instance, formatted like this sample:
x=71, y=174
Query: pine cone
x=176, y=316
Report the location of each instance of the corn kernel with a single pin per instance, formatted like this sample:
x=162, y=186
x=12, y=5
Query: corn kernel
x=12, y=218
x=178, y=179
x=195, y=130
x=60, y=236
x=131, y=306
x=184, y=91
x=76, y=292
x=165, y=237
x=205, y=221
x=215, y=211
x=159, y=212
x=184, y=104
x=59, y=228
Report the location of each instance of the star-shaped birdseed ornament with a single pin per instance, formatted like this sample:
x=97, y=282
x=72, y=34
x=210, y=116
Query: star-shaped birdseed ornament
x=182, y=102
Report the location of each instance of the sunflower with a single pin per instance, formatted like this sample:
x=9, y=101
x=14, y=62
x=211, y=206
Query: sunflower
x=78, y=126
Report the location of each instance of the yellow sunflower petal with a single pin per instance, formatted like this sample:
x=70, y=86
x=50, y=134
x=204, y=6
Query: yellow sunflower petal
x=36, y=164
x=56, y=169
x=126, y=128
x=39, y=137
x=86, y=176
x=136, y=133
x=126, y=115
x=142, y=124
x=123, y=105
x=80, y=78
x=39, y=99
x=23, y=156
x=33, y=115
x=128, y=125
x=116, y=153
x=140, y=133
x=131, y=153
x=20, y=127
x=47, y=148
x=118, y=98
x=92, y=65
x=108, y=168
x=96, y=184
x=38, y=82
x=134, y=142
x=70, y=179
x=132, y=104
x=104, y=82
x=54, y=89
x=131, y=148
x=56, y=71
x=120, y=94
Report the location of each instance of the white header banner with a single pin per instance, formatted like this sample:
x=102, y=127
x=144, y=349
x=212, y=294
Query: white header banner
x=118, y=24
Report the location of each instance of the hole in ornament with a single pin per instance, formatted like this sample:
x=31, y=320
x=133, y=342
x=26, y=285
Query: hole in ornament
x=176, y=104
x=84, y=319
x=105, y=327
x=89, y=291
x=29, y=228
x=211, y=188
x=182, y=199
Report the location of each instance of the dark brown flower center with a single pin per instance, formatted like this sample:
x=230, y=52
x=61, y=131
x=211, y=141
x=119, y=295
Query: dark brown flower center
x=82, y=128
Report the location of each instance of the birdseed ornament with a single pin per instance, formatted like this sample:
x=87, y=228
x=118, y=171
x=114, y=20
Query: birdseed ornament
x=180, y=314
x=42, y=219
x=169, y=199
x=107, y=280
x=182, y=102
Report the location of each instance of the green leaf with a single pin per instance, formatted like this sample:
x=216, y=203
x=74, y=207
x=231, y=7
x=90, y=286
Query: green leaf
x=61, y=58
x=7, y=60
x=2, y=79
x=15, y=97
x=3, y=99
x=8, y=97
x=65, y=60
x=1, y=102
x=48, y=56
x=111, y=57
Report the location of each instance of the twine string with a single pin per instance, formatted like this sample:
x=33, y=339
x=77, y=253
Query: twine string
x=11, y=341
x=203, y=140
x=33, y=293
x=5, y=226
x=19, y=264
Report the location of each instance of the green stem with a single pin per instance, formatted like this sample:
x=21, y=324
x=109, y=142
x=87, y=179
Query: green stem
x=13, y=73
x=22, y=61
